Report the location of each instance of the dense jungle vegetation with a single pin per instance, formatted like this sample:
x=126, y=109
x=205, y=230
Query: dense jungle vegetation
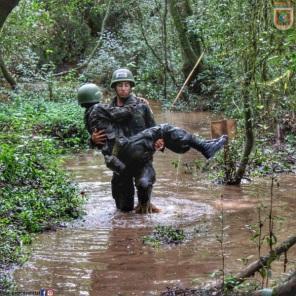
x=49, y=48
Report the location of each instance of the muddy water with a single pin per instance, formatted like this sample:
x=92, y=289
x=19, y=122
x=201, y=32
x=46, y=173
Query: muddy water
x=103, y=254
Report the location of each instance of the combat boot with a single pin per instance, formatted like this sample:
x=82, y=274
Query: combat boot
x=208, y=148
x=148, y=208
x=145, y=206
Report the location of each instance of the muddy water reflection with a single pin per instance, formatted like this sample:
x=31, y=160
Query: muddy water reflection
x=103, y=254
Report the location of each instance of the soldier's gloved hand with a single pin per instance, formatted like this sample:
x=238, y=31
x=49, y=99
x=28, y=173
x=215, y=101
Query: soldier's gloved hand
x=159, y=145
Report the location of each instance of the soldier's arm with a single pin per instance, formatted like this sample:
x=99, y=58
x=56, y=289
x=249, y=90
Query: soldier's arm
x=98, y=139
x=159, y=144
x=145, y=102
x=103, y=113
x=149, y=118
x=98, y=136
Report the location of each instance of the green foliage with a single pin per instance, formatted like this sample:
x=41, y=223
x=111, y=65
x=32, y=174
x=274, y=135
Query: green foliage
x=62, y=121
x=36, y=193
x=230, y=281
x=165, y=235
x=63, y=34
x=175, y=163
x=266, y=158
x=46, y=32
x=272, y=159
x=224, y=168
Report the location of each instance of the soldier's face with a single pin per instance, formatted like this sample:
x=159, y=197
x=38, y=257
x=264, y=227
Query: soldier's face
x=123, y=89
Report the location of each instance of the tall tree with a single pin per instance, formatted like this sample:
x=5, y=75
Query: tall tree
x=6, y=6
x=190, y=45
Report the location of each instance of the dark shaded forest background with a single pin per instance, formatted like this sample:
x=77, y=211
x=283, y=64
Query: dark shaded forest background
x=160, y=42
x=247, y=70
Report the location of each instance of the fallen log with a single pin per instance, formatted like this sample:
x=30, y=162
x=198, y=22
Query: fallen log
x=288, y=288
x=254, y=267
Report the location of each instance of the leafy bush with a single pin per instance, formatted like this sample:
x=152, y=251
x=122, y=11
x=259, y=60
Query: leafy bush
x=35, y=193
x=62, y=121
x=266, y=158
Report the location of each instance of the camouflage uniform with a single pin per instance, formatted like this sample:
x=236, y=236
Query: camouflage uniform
x=104, y=117
x=130, y=157
x=123, y=190
x=137, y=149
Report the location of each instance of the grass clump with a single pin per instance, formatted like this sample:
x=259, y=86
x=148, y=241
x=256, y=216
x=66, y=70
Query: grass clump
x=165, y=235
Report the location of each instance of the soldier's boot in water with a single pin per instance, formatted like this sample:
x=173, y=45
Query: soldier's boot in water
x=209, y=148
x=145, y=206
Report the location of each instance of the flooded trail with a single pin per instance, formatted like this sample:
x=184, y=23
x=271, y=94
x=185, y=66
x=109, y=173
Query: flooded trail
x=103, y=254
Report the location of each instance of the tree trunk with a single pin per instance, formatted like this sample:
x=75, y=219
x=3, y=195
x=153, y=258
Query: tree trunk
x=191, y=47
x=249, y=136
x=165, y=50
x=6, y=74
x=164, y=64
x=85, y=64
x=288, y=288
x=6, y=6
x=249, y=60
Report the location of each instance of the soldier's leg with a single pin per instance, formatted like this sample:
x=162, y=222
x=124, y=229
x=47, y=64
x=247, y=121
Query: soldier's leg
x=180, y=141
x=123, y=191
x=145, y=178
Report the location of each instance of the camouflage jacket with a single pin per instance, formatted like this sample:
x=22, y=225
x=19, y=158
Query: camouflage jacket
x=141, y=119
x=118, y=122
x=104, y=117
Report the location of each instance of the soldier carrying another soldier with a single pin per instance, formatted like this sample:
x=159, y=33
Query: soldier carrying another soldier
x=129, y=145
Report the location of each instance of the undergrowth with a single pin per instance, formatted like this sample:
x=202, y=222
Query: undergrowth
x=36, y=193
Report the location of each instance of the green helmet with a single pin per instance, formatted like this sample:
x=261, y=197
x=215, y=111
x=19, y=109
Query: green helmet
x=89, y=93
x=121, y=75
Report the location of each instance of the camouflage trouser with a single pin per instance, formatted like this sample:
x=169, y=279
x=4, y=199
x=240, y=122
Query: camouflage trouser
x=136, y=153
x=123, y=189
x=140, y=148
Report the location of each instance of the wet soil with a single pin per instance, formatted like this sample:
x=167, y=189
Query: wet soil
x=104, y=254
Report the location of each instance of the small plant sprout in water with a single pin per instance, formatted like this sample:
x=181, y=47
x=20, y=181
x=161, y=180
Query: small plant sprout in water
x=165, y=235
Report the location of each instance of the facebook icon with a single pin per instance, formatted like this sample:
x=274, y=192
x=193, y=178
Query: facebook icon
x=43, y=292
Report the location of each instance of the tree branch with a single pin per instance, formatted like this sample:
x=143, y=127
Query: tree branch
x=85, y=64
x=5, y=9
x=164, y=65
